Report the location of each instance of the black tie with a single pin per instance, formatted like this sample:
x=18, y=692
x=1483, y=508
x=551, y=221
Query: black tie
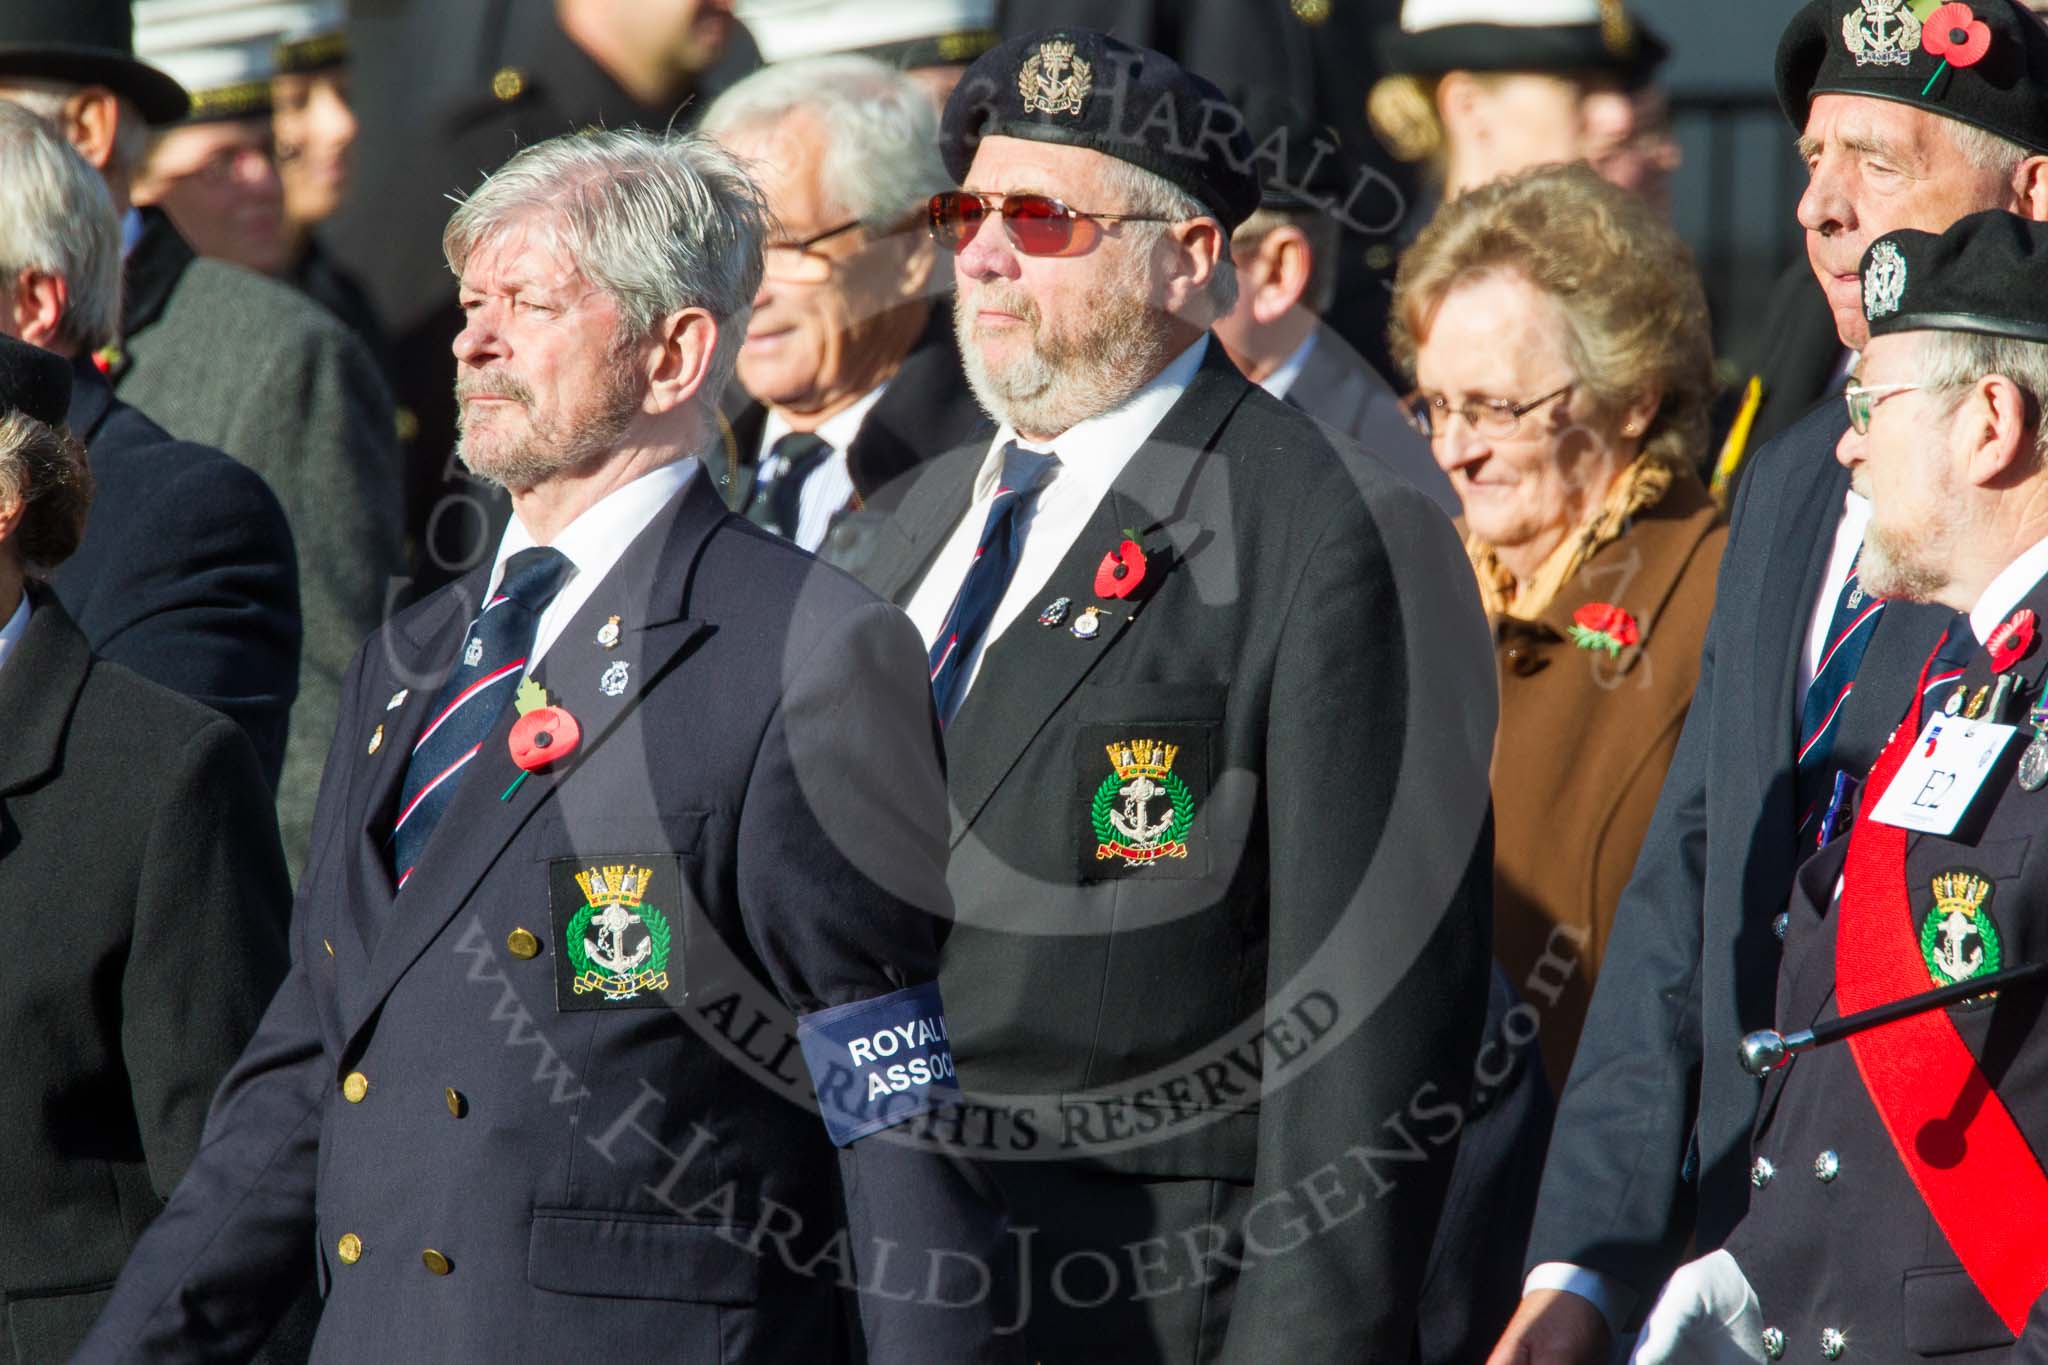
x=779, y=492
x=494, y=653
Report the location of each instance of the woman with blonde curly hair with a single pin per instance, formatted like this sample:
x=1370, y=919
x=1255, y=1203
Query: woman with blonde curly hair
x=1557, y=337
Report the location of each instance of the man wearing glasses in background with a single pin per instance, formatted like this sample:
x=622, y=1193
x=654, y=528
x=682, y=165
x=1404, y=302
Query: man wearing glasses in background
x=1219, y=705
x=852, y=371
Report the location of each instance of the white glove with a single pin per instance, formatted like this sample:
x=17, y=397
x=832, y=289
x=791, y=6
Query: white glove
x=1707, y=1315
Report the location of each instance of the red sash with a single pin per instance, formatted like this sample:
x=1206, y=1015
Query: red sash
x=1967, y=1157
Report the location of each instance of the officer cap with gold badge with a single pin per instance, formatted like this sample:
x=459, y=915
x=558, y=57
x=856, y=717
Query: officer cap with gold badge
x=223, y=52
x=1086, y=89
x=1981, y=62
x=907, y=34
x=1436, y=36
x=1988, y=274
x=34, y=381
x=314, y=37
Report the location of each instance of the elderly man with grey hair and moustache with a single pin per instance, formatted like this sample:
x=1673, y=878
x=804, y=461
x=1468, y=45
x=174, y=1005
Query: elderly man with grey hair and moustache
x=630, y=870
x=1219, y=712
x=185, y=572
x=854, y=373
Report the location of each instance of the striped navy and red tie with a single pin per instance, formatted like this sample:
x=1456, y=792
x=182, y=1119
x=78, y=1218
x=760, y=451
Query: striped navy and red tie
x=988, y=576
x=1849, y=632
x=1951, y=660
x=494, y=653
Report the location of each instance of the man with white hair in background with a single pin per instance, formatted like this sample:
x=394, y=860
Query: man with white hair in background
x=509, y=1096
x=853, y=368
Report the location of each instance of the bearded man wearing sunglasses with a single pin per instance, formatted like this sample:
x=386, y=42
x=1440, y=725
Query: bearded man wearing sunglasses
x=1215, y=688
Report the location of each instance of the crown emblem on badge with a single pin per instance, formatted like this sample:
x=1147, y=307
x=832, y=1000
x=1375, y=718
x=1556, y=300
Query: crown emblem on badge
x=623, y=884
x=1053, y=80
x=1884, y=281
x=1881, y=33
x=1142, y=758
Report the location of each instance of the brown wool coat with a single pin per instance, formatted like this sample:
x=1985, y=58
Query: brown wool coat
x=1583, y=745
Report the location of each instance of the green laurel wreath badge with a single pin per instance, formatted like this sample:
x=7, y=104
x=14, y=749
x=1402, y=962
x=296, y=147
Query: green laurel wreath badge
x=1147, y=759
x=652, y=977
x=1960, y=893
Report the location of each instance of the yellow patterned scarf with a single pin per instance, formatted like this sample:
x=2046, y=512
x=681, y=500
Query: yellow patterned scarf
x=1641, y=485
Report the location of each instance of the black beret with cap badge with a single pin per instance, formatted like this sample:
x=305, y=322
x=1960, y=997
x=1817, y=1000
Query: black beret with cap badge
x=1981, y=62
x=1087, y=89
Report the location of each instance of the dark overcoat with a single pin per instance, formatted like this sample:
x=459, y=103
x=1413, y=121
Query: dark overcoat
x=139, y=860
x=186, y=571
x=1651, y=1147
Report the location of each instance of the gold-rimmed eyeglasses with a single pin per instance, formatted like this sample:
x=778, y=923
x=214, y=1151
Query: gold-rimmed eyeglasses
x=1430, y=413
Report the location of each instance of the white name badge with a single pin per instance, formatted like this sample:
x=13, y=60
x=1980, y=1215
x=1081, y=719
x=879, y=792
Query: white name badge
x=1941, y=777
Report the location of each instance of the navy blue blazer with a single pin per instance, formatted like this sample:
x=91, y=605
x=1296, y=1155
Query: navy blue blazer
x=186, y=573
x=1651, y=1146
x=491, y=1156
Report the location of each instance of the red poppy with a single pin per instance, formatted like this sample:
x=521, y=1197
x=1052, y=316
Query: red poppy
x=544, y=735
x=1603, y=626
x=1956, y=35
x=1121, y=571
x=2012, y=640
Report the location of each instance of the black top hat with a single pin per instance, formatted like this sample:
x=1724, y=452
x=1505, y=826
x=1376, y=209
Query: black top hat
x=34, y=381
x=89, y=42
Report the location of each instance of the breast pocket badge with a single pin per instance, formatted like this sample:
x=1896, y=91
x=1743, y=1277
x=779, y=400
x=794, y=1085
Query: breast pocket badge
x=615, y=922
x=1145, y=789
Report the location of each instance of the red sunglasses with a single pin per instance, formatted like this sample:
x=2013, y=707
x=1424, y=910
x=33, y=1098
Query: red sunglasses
x=1038, y=224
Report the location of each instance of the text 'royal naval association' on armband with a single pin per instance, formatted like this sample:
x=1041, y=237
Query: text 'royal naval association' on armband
x=878, y=1062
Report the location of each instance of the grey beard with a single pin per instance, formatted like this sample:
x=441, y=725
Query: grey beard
x=1062, y=382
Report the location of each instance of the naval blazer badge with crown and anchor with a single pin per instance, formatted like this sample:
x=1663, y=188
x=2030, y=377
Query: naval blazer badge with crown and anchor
x=616, y=940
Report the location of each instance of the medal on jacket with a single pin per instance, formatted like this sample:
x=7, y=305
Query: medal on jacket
x=2033, y=770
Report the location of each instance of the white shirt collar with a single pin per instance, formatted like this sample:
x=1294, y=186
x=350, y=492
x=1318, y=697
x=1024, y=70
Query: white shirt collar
x=593, y=543
x=16, y=627
x=2008, y=590
x=1282, y=379
x=1094, y=452
x=837, y=431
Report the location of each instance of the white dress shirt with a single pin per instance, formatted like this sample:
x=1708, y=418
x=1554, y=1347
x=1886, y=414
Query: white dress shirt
x=1282, y=379
x=16, y=627
x=2005, y=592
x=830, y=485
x=593, y=543
x=1091, y=455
